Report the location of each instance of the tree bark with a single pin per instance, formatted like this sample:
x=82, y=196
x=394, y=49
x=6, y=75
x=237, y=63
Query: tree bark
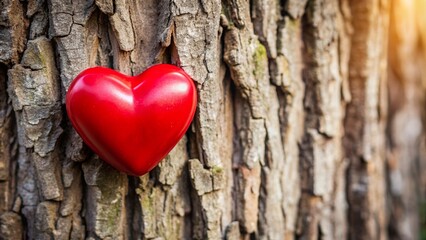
x=299, y=131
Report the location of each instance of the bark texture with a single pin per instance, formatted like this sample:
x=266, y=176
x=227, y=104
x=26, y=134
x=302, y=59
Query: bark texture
x=303, y=130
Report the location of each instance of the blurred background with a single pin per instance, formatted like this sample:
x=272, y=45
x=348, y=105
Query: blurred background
x=407, y=108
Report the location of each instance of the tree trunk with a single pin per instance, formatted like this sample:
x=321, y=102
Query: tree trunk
x=296, y=134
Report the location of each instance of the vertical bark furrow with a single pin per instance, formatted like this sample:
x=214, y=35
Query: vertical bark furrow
x=271, y=213
x=27, y=190
x=321, y=153
x=240, y=47
x=259, y=154
x=151, y=22
x=364, y=138
x=70, y=224
x=7, y=146
x=11, y=226
x=13, y=27
x=286, y=73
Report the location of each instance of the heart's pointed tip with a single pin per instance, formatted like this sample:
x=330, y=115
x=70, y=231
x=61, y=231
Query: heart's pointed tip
x=134, y=167
x=136, y=174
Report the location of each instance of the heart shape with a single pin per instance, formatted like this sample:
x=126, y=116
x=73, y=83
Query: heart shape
x=132, y=122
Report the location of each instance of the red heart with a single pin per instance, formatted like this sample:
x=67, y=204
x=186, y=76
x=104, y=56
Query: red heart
x=132, y=122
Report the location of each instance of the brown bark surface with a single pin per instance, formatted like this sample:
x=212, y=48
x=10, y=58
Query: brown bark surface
x=308, y=125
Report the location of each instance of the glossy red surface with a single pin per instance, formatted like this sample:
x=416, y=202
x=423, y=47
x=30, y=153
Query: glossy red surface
x=132, y=122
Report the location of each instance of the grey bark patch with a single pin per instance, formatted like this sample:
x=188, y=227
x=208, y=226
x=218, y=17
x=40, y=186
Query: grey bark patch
x=201, y=178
